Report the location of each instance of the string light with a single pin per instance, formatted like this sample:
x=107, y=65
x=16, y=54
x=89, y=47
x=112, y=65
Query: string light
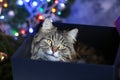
x=48, y=0
x=15, y=33
x=11, y=13
x=34, y=3
x=44, y=7
x=54, y=10
x=23, y=31
x=41, y=9
x=51, y=20
x=2, y=56
x=1, y=0
x=5, y=5
x=27, y=0
x=56, y=2
x=30, y=30
x=2, y=17
x=19, y=2
x=59, y=12
x=62, y=5
x=40, y=17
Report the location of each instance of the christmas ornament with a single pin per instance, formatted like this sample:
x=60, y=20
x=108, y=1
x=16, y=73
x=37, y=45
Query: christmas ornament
x=3, y=56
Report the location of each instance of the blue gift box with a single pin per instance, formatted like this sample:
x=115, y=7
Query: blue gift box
x=103, y=38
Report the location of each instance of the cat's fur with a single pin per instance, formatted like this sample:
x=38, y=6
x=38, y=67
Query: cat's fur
x=88, y=54
x=50, y=44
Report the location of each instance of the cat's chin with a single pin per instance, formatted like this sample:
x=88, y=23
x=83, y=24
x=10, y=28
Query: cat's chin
x=52, y=58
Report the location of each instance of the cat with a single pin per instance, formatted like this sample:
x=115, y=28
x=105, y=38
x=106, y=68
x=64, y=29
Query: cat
x=52, y=45
x=88, y=54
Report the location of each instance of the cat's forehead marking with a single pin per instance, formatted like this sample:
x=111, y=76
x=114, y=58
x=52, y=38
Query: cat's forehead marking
x=57, y=36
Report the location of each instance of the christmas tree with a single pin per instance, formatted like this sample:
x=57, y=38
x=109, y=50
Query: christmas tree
x=8, y=46
x=17, y=12
x=54, y=9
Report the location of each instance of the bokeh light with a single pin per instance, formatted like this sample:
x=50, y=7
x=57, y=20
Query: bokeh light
x=41, y=9
x=56, y=2
x=48, y=0
x=40, y=17
x=30, y=30
x=11, y=13
x=34, y=3
x=2, y=17
x=23, y=31
x=59, y=13
x=27, y=0
x=1, y=0
x=19, y=2
x=54, y=10
x=5, y=5
x=3, y=56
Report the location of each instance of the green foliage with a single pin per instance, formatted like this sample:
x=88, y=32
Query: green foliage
x=9, y=46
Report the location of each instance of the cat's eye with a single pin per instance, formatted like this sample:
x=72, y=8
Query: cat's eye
x=62, y=47
x=49, y=41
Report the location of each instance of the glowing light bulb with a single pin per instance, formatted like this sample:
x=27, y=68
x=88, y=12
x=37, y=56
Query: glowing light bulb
x=2, y=58
x=2, y=17
x=62, y=5
x=1, y=0
x=59, y=13
x=11, y=13
x=16, y=34
x=19, y=2
x=56, y=2
x=40, y=17
x=30, y=30
x=5, y=5
x=48, y=0
x=51, y=20
x=23, y=31
x=54, y=10
x=27, y=0
x=34, y=3
x=41, y=9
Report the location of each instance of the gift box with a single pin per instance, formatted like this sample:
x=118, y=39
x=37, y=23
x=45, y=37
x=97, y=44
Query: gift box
x=105, y=39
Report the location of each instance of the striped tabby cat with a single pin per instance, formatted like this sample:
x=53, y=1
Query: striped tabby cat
x=50, y=44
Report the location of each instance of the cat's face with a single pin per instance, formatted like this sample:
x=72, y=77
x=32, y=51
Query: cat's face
x=49, y=44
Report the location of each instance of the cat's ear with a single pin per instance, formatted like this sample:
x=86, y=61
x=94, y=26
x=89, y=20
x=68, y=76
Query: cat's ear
x=72, y=35
x=47, y=25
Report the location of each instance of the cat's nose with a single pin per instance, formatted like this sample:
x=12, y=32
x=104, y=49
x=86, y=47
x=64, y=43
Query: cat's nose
x=54, y=48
